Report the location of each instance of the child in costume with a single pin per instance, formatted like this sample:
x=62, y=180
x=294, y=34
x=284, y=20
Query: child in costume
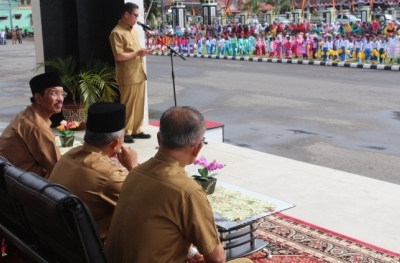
x=358, y=47
x=234, y=44
x=278, y=46
x=288, y=47
x=272, y=47
x=368, y=50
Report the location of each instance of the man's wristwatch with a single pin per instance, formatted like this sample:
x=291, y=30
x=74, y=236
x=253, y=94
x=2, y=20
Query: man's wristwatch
x=192, y=251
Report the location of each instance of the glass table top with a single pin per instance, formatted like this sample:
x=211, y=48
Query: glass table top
x=273, y=205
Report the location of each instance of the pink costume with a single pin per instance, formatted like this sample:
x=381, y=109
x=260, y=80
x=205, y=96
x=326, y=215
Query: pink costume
x=272, y=48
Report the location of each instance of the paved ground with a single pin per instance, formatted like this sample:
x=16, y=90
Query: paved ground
x=16, y=64
x=342, y=118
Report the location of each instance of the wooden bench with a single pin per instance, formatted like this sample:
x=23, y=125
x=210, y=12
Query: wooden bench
x=44, y=221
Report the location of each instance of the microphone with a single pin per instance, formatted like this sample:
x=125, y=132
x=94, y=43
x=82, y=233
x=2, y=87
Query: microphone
x=145, y=27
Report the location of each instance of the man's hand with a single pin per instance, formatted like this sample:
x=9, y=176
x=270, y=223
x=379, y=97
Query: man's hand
x=128, y=157
x=197, y=258
x=144, y=52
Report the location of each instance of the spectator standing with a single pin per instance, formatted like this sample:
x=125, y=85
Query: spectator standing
x=19, y=36
x=14, y=36
x=2, y=37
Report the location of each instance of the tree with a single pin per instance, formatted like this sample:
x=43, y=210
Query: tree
x=280, y=5
x=251, y=6
x=151, y=8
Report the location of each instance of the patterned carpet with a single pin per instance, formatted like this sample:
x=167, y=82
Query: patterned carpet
x=296, y=241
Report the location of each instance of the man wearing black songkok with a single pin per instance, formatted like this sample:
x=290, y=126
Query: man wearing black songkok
x=87, y=170
x=28, y=141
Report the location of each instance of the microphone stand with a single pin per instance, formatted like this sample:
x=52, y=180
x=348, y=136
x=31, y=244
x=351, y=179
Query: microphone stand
x=171, y=51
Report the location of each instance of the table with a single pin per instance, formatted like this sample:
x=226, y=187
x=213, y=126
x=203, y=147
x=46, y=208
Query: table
x=239, y=236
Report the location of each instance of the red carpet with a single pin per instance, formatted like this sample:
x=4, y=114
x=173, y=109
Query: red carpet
x=296, y=241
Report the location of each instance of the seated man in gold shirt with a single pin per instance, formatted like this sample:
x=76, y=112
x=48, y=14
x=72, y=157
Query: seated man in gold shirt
x=87, y=170
x=161, y=211
x=28, y=141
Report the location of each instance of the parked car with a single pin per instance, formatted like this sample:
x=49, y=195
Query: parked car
x=279, y=19
x=384, y=19
x=344, y=18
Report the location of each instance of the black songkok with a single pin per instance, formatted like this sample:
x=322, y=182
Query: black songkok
x=46, y=80
x=106, y=117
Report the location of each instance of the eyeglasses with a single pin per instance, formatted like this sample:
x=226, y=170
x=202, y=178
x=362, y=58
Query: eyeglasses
x=56, y=94
x=135, y=15
x=200, y=142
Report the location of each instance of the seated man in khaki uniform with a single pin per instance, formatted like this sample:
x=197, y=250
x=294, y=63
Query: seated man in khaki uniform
x=161, y=211
x=28, y=141
x=87, y=170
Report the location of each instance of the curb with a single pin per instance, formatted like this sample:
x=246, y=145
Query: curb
x=292, y=61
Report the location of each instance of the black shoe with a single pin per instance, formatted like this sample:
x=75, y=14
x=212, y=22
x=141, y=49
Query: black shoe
x=128, y=139
x=141, y=135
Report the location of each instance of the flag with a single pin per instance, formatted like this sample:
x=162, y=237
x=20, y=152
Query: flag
x=193, y=12
x=371, y=4
x=333, y=4
x=304, y=3
x=228, y=7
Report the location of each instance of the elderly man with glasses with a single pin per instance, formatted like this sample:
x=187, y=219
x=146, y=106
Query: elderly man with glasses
x=161, y=211
x=28, y=141
x=131, y=75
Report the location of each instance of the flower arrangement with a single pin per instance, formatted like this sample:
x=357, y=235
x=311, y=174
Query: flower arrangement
x=207, y=167
x=65, y=128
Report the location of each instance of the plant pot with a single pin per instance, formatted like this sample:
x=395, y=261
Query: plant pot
x=75, y=112
x=67, y=141
x=207, y=185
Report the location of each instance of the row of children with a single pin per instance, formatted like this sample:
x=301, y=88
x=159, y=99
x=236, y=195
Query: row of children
x=306, y=46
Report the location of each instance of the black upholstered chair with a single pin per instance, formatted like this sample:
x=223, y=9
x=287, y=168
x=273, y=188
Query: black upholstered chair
x=11, y=227
x=59, y=223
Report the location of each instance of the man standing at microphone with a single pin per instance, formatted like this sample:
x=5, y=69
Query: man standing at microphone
x=130, y=72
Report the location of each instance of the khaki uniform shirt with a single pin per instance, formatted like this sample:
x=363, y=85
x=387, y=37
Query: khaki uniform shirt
x=160, y=212
x=91, y=175
x=124, y=38
x=28, y=142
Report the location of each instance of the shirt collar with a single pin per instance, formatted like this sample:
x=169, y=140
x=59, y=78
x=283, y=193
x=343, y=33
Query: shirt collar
x=39, y=111
x=125, y=26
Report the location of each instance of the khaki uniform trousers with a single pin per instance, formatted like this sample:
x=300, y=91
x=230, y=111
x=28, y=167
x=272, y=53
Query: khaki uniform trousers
x=240, y=260
x=133, y=98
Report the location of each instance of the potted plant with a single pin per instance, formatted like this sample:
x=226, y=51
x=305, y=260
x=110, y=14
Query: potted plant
x=205, y=178
x=95, y=82
x=66, y=135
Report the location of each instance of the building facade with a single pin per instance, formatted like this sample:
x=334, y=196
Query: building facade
x=16, y=13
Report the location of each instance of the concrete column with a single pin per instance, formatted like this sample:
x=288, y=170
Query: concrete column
x=289, y=16
x=329, y=15
x=366, y=14
x=270, y=17
x=297, y=15
x=209, y=11
x=178, y=14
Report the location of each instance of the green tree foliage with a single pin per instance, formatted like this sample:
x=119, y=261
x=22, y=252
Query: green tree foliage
x=151, y=8
x=280, y=5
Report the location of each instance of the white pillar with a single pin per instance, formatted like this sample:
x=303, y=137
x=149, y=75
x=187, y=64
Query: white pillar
x=37, y=25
